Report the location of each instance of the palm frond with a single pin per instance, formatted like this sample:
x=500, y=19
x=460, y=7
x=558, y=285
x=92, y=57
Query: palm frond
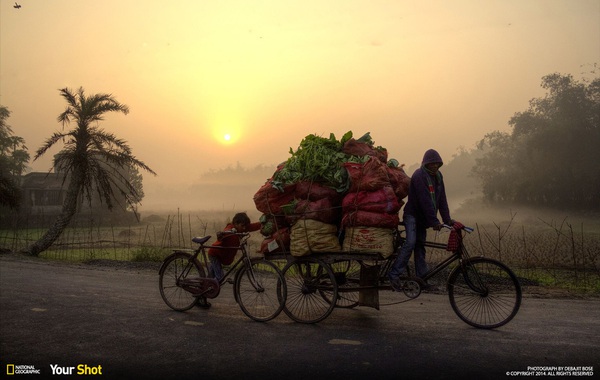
x=110, y=141
x=117, y=151
x=69, y=96
x=56, y=136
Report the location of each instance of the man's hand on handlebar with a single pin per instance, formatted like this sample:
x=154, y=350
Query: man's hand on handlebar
x=449, y=224
x=452, y=227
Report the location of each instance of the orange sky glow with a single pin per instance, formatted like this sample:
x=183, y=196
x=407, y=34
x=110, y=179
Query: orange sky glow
x=416, y=74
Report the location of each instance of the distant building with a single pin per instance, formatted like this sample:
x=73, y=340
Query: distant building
x=43, y=195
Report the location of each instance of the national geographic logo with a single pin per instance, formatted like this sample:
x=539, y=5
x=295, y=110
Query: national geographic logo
x=21, y=369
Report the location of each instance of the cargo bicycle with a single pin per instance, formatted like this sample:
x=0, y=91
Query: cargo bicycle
x=483, y=292
x=258, y=285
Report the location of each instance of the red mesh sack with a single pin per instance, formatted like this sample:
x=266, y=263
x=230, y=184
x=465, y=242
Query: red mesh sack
x=322, y=210
x=369, y=176
x=370, y=219
x=314, y=191
x=278, y=242
x=382, y=201
x=269, y=200
x=357, y=148
x=399, y=180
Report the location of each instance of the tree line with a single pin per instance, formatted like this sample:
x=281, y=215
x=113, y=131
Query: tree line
x=13, y=162
x=551, y=156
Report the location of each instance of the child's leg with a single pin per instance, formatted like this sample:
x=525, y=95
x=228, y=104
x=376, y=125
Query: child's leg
x=215, y=269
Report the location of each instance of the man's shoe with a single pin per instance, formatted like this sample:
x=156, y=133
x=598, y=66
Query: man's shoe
x=398, y=283
x=203, y=303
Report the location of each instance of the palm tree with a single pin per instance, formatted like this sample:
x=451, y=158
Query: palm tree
x=92, y=160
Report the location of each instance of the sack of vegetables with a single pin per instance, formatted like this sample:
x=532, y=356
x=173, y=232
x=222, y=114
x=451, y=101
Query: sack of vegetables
x=308, y=188
x=308, y=236
x=269, y=199
x=364, y=147
x=277, y=242
x=382, y=201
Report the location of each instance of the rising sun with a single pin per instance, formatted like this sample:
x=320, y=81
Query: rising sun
x=226, y=135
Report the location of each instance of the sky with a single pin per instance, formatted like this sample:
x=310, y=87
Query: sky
x=214, y=84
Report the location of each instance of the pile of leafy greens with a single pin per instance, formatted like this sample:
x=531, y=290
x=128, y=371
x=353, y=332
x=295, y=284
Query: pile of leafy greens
x=319, y=159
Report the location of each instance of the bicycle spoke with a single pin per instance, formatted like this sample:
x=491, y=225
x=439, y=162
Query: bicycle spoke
x=484, y=293
x=175, y=269
x=347, y=274
x=311, y=289
x=260, y=290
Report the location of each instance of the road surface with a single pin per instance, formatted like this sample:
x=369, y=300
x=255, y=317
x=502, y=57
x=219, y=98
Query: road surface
x=109, y=322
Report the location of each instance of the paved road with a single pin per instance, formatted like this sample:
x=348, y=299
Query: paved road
x=113, y=321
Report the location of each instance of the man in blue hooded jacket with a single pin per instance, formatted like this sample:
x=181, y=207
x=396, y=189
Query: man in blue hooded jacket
x=426, y=197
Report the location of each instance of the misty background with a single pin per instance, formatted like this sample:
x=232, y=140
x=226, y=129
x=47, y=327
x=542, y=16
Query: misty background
x=232, y=188
x=219, y=92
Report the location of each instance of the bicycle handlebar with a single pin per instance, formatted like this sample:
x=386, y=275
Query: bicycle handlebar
x=220, y=234
x=468, y=229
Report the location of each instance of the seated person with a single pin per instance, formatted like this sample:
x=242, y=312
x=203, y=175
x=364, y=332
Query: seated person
x=224, y=255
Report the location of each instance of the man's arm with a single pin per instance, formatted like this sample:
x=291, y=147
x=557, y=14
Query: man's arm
x=443, y=204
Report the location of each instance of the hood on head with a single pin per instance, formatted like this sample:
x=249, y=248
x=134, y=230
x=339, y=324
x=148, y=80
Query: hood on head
x=431, y=156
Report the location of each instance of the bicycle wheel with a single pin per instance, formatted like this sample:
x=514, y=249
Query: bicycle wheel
x=347, y=276
x=260, y=290
x=311, y=286
x=173, y=271
x=484, y=293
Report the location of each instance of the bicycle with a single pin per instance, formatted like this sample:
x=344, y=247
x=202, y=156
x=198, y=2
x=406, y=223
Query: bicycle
x=483, y=292
x=258, y=285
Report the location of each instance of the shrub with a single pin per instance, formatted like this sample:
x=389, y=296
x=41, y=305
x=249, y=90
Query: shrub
x=149, y=254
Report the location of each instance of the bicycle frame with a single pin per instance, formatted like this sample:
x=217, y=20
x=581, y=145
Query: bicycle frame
x=454, y=256
x=460, y=254
x=258, y=287
x=232, y=268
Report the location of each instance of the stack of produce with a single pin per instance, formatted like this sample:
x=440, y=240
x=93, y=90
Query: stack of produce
x=308, y=189
x=370, y=208
x=327, y=186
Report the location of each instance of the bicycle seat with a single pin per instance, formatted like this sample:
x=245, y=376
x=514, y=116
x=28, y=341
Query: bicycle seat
x=201, y=239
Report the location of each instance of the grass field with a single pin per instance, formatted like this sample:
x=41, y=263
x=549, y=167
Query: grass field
x=556, y=252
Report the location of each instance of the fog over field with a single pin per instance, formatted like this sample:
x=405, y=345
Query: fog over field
x=230, y=188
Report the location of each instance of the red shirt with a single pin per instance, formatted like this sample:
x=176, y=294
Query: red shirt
x=226, y=255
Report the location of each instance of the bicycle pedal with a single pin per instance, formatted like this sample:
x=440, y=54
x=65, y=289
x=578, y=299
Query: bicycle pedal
x=412, y=288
